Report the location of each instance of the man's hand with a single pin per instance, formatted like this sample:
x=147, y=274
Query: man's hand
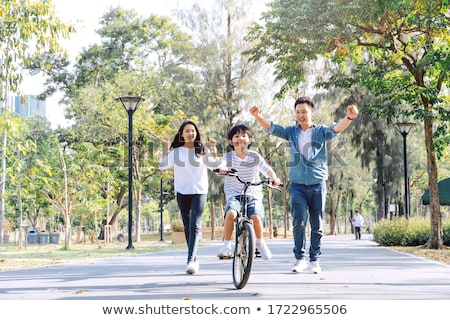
x=352, y=111
x=254, y=111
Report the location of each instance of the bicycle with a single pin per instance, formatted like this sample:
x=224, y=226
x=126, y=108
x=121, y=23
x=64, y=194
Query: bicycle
x=245, y=239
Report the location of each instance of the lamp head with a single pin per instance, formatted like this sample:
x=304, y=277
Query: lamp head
x=404, y=127
x=130, y=103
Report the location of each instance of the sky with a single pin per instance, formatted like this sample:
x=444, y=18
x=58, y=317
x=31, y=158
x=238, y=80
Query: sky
x=88, y=13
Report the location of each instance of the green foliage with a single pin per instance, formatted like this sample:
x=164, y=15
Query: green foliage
x=177, y=225
x=406, y=232
x=446, y=232
x=26, y=28
x=400, y=49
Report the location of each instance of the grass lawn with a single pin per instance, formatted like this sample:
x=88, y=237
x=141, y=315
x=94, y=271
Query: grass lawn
x=442, y=255
x=47, y=254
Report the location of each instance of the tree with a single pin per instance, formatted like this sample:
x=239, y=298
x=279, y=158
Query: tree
x=142, y=55
x=26, y=28
x=225, y=82
x=409, y=39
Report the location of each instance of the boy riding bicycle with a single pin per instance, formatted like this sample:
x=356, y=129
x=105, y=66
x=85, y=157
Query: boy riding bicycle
x=248, y=164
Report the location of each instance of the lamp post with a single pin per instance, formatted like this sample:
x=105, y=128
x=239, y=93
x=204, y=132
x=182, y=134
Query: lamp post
x=404, y=128
x=161, y=228
x=130, y=104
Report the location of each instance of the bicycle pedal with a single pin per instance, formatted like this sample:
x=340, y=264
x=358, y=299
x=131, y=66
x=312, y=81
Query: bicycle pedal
x=225, y=258
x=257, y=254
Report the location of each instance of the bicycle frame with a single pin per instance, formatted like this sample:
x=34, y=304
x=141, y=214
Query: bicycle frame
x=244, y=250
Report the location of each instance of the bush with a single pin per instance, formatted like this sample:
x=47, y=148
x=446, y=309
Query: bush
x=446, y=231
x=402, y=232
x=177, y=225
x=407, y=232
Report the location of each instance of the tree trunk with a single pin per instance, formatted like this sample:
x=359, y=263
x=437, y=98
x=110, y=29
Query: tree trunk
x=285, y=208
x=138, y=215
x=381, y=181
x=67, y=221
x=347, y=216
x=269, y=201
x=213, y=219
x=120, y=207
x=436, y=235
x=332, y=214
x=2, y=184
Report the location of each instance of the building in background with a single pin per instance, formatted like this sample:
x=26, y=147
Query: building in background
x=29, y=106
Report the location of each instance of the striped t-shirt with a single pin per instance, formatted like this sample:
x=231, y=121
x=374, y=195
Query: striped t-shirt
x=248, y=169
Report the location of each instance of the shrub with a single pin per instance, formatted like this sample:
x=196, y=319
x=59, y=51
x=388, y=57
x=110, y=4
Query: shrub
x=446, y=231
x=402, y=232
x=407, y=232
x=177, y=225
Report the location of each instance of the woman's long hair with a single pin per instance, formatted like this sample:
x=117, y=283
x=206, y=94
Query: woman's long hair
x=178, y=140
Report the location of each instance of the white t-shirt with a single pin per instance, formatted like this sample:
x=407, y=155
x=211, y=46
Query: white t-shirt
x=358, y=220
x=304, y=143
x=190, y=171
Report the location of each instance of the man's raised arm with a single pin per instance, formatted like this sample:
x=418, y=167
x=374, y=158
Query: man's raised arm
x=254, y=111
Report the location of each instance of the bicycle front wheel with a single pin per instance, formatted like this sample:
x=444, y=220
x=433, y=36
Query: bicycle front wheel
x=244, y=252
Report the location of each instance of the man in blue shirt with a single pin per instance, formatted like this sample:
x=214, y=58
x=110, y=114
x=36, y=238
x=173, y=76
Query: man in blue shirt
x=308, y=172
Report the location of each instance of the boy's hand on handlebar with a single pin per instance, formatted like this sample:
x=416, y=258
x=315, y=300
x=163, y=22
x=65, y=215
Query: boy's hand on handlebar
x=276, y=182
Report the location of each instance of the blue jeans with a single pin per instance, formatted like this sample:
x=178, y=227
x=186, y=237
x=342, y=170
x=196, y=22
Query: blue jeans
x=191, y=207
x=306, y=198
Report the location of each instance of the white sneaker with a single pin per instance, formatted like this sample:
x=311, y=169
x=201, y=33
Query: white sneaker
x=225, y=252
x=264, y=250
x=300, y=265
x=315, y=267
x=192, y=267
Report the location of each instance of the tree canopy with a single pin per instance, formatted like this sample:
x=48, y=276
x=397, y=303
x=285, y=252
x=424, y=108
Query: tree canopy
x=402, y=51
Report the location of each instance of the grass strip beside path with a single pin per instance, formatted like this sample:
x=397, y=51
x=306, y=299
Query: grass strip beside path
x=44, y=255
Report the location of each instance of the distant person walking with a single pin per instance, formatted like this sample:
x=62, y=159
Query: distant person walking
x=357, y=222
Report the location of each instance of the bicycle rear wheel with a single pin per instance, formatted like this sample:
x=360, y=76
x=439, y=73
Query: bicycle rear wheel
x=244, y=252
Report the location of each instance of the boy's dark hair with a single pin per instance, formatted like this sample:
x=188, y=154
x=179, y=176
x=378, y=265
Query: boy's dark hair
x=239, y=128
x=306, y=100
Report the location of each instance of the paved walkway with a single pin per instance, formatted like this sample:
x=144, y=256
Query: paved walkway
x=352, y=270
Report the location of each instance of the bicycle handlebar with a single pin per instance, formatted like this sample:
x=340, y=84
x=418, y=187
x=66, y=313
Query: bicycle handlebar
x=233, y=173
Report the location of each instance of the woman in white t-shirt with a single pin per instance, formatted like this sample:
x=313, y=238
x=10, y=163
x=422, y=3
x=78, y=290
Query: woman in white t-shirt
x=190, y=159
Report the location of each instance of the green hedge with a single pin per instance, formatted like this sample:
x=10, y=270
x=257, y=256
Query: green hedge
x=407, y=232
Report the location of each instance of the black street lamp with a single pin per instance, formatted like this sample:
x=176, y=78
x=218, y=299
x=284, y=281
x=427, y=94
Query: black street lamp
x=404, y=128
x=161, y=228
x=130, y=104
